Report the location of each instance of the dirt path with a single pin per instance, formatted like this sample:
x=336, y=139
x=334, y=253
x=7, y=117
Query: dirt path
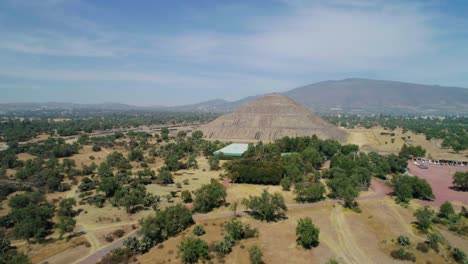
x=349, y=248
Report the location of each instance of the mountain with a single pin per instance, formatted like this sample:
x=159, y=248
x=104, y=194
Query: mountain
x=268, y=118
x=381, y=96
x=337, y=96
x=371, y=97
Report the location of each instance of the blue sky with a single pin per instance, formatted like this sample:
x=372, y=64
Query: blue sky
x=179, y=52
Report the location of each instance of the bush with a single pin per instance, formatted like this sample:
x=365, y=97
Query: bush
x=96, y=148
x=199, y=230
x=459, y=255
x=402, y=254
x=446, y=210
x=423, y=247
x=309, y=192
x=192, y=249
x=119, y=233
x=255, y=255
x=307, y=233
x=186, y=196
x=286, y=184
x=424, y=217
x=403, y=241
x=224, y=246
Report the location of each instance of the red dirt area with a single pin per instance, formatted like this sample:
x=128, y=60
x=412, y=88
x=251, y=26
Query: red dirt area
x=440, y=179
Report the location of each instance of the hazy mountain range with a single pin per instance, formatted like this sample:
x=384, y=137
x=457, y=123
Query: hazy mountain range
x=348, y=95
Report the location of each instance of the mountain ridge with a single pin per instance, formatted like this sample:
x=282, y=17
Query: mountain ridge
x=351, y=95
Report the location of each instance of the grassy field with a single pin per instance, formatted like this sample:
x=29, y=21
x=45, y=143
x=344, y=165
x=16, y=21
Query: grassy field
x=373, y=140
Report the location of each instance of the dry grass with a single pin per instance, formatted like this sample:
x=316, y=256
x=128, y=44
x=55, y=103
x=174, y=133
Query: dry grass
x=372, y=140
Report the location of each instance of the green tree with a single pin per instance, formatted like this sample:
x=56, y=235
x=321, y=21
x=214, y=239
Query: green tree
x=309, y=192
x=307, y=233
x=165, y=176
x=267, y=206
x=209, y=196
x=186, y=196
x=460, y=180
x=109, y=186
x=446, y=210
x=214, y=162
x=255, y=255
x=192, y=249
x=424, y=217
x=286, y=183
x=166, y=223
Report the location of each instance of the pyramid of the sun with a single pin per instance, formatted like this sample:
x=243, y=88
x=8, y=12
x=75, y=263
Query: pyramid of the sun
x=268, y=118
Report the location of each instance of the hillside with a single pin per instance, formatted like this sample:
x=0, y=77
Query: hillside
x=381, y=96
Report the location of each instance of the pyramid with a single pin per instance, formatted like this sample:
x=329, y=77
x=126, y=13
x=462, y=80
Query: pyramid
x=269, y=118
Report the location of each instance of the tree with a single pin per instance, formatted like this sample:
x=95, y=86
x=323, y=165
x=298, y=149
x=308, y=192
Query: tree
x=233, y=207
x=166, y=223
x=165, y=176
x=66, y=222
x=307, y=233
x=312, y=156
x=197, y=135
x=136, y=155
x=214, y=162
x=109, y=186
x=286, y=183
x=186, y=196
x=192, y=249
x=165, y=133
x=267, y=206
x=209, y=196
x=460, y=180
x=309, y=192
x=255, y=255
x=446, y=210
x=424, y=217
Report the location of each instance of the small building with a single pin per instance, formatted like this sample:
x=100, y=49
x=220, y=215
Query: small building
x=232, y=150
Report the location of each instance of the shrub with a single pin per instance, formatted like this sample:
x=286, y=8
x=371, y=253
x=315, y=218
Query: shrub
x=199, y=230
x=255, y=255
x=446, y=210
x=307, y=233
x=423, y=247
x=403, y=241
x=119, y=233
x=402, y=254
x=224, y=246
x=459, y=255
x=192, y=249
x=424, y=217
x=309, y=192
x=286, y=183
x=186, y=196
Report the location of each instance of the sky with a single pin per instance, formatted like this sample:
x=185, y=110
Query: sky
x=181, y=52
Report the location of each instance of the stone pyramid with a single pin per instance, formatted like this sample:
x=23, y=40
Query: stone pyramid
x=268, y=118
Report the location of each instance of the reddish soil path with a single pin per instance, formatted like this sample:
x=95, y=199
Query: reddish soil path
x=440, y=179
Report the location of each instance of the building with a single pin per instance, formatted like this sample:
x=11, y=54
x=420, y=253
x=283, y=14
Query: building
x=232, y=150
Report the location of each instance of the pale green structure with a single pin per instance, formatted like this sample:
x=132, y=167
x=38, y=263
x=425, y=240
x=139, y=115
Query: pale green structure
x=232, y=150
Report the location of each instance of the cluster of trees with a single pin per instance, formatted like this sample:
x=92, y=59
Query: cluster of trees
x=9, y=254
x=47, y=175
x=411, y=187
x=51, y=148
x=16, y=130
x=295, y=162
x=166, y=223
x=412, y=151
x=30, y=216
x=446, y=216
x=453, y=130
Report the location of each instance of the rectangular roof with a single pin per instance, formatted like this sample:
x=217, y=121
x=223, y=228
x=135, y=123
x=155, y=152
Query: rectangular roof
x=234, y=149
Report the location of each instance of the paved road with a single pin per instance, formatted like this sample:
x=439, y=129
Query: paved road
x=379, y=188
